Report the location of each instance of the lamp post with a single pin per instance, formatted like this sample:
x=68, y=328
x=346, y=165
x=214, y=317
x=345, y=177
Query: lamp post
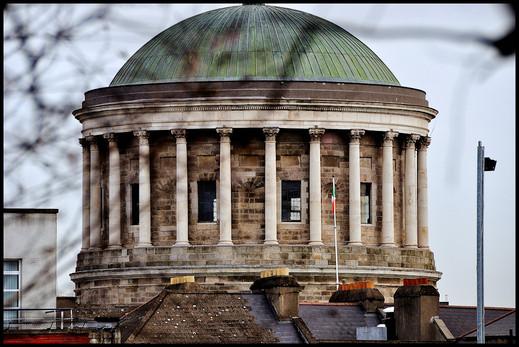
x=484, y=164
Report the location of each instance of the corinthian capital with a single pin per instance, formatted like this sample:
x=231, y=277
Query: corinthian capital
x=142, y=135
x=424, y=142
x=110, y=137
x=356, y=134
x=389, y=136
x=179, y=133
x=83, y=141
x=270, y=133
x=316, y=133
x=411, y=139
x=224, y=132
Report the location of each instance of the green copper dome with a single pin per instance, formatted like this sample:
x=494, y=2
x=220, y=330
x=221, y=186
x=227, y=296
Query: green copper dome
x=254, y=42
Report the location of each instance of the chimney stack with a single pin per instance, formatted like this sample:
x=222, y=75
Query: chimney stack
x=416, y=307
x=363, y=292
x=282, y=291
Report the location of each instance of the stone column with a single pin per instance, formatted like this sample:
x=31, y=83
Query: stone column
x=411, y=233
x=270, y=186
x=354, y=187
x=95, y=195
x=225, y=213
x=315, y=186
x=114, y=193
x=144, y=189
x=182, y=200
x=85, y=237
x=423, y=220
x=388, y=232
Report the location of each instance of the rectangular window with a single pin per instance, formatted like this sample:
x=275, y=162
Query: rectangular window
x=291, y=201
x=135, y=203
x=11, y=288
x=365, y=203
x=207, y=201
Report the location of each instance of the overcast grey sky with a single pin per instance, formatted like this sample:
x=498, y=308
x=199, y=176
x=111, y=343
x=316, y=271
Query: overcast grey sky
x=471, y=86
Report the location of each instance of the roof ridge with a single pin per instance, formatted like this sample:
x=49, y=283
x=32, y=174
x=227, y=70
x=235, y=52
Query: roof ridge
x=157, y=300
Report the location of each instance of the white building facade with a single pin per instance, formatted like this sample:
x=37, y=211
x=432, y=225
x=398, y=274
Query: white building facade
x=30, y=249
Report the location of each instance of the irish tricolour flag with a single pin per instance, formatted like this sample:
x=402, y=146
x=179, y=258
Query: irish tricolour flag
x=333, y=196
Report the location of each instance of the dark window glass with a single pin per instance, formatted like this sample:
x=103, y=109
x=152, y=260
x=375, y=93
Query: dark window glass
x=207, y=201
x=102, y=209
x=291, y=201
x=365, y=203
x=135, y=203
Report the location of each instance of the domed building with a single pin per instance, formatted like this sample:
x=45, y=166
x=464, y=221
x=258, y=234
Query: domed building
x=213, y=150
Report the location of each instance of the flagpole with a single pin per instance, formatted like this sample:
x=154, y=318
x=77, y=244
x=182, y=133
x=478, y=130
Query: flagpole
x=335, y=234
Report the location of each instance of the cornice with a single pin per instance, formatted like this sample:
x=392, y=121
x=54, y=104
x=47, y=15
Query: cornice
x=126, y=108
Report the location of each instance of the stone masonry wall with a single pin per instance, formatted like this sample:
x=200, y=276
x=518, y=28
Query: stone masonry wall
x=163, y=184
x=292, y=163
x=371, y=172
x=203, y=148
x=334, y=162
x=239, y=266
x=129, y=166
x=248, y=186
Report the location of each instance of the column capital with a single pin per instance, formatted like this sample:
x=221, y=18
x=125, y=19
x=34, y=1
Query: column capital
x=143, y=136
x=110, y=137
x=224, y=132
x=411, y=139
x=389, y=136
x=83, y=141
x=424, y=142
x=90, y=139
x=315, y=134
x=141, y=133
x=270, y=133
x=179, y=133
x=356, y=134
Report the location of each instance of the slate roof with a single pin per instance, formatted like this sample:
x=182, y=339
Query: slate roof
x=461, y=320
x=337, y=321
x=191, y=315
x=285, y=331
x=500, y=326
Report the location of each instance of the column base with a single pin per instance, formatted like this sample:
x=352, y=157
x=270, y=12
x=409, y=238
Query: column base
x=143, y=245
x=181, y=244
x=94, y=249
x=271, y=242
x=387, y=245
x=410, y=246
x=225, y=243
x=354, y=243
x=114, y=247
x=315, y=243
x=423, y=247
